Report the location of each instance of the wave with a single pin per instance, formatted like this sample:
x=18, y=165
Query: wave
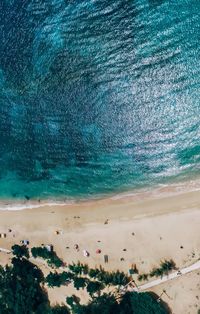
x=161, y=191
x=22, y=206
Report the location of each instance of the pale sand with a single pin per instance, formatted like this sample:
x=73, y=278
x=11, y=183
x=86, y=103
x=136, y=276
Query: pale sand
x=182, y=294
x=161, y=225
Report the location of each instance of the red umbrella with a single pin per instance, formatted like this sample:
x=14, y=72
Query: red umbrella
x=98, y=251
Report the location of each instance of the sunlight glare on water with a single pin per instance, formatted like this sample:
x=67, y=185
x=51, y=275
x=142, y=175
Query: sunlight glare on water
x=98, y=96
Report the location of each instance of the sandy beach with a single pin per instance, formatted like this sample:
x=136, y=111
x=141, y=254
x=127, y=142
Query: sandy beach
x=141, y=230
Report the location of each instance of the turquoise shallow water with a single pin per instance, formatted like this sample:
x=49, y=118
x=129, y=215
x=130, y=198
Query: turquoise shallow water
x=98, y=96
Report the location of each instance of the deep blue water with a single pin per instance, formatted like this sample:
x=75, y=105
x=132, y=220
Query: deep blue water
x=98, y=96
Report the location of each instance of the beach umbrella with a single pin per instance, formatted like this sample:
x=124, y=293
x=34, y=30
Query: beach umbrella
x=98, y=251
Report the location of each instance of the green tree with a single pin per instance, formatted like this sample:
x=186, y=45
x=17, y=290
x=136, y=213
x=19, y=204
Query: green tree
x=140, y=303
x=119, y=278
x=143, y=277
x=164, y=268
x=72, y=301
x=85, y=269
x=22, y=292
x=104, y=304
x=40, y=252
x=78, y=268
x=94, y=287
x=80, y=282
x=157, y=272
x=167, y=266
x=20, y=251
x=56, y=279
x=51, y=257
x=59, y=310
x=130, y=303
x=93, y=273
x=20, y=289
x=54, y=260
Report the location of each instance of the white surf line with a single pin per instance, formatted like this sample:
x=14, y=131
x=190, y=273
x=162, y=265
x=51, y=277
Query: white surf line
x=171, y=276
x=29, y=206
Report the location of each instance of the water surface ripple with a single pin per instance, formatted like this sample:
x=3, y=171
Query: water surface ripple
x=98, y=96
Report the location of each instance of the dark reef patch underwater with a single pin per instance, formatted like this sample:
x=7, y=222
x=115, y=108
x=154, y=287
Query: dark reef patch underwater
x=97, y=96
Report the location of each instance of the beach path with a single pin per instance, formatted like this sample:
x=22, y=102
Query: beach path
x=171, y=276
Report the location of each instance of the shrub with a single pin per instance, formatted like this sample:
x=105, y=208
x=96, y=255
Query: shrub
x=143, y=277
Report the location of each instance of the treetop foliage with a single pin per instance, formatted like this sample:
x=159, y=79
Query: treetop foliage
x=50, y=256
x=22, y=289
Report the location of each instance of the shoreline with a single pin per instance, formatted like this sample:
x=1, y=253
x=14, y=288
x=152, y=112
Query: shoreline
x=161, y=191
x=142, y=229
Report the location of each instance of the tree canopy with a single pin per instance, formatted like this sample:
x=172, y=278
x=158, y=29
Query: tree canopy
x=58, y=279
x=50, y=256
x=20, y=251
x=140, y=303
x=130, y=303
x=22, y=289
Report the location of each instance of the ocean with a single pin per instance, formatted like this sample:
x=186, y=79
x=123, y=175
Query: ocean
x=98, y=97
